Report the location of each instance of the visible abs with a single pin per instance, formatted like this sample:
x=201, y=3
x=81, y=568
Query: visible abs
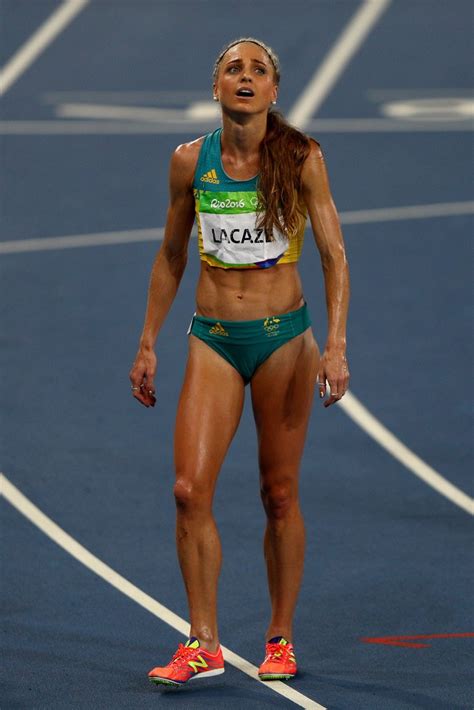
x=245, y=294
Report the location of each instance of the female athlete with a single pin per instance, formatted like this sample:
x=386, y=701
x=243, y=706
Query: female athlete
x=250, y=186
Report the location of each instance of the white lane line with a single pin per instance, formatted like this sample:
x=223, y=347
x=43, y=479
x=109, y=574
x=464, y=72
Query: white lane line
x=428, y=92
x=124, y=113
x=390, y=214
x=183, y=96
x=386, y=125
x=334, y=64
x=186, y=117
x=82, y=240
x=104, y=127
x=374, y=428
x=382, y=214
x=32, y=48
x=24, y=506
x=134, y=128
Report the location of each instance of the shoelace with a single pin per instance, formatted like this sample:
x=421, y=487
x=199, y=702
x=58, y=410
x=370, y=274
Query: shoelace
x=183, y=654
x=278, y=653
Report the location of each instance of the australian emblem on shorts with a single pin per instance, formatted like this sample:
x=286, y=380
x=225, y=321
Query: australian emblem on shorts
x=271, y=326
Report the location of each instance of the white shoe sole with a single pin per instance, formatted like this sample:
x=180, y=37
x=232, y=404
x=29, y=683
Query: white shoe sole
x=207, y=674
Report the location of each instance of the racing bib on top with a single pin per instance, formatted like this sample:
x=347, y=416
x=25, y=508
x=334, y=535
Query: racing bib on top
x=227, y=217
x=229, y=232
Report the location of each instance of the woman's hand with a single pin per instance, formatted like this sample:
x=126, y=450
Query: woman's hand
x=142, y=377
x=333, y=368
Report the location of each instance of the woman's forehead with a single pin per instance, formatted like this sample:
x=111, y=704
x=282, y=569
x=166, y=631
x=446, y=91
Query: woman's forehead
x=246, y=50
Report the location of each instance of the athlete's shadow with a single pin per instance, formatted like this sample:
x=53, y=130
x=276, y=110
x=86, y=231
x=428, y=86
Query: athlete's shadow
x=219, y=695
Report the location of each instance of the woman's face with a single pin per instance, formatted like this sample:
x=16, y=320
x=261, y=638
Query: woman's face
x=246, y=79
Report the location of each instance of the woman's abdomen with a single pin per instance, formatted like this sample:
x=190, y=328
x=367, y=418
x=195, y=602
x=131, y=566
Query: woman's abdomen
x=245, y=294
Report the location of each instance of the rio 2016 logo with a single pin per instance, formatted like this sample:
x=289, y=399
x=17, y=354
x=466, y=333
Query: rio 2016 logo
x=230, y=204
x=227, y=204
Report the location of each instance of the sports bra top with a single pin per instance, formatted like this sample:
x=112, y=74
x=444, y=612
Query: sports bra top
x=226, y=214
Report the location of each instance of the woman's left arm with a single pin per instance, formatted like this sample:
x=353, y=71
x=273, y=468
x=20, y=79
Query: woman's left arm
x=328, y=236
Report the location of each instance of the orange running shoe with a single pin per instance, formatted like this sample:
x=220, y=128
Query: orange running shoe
x=189, y=662
x=280, y=661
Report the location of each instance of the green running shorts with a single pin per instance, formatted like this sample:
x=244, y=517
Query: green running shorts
x=246, y=344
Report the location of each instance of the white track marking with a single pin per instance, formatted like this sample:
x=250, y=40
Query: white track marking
x=334, y=64
x=390, y=214
x=24, y=506
x=430, y=92
x=386, y=125
x=109, y=128
x=186, y=117
x=82, y=240
x=374, y=428
x=38, y=42
x=127, y=113
x=134, y=128
x=382, y=214
x=182, y=96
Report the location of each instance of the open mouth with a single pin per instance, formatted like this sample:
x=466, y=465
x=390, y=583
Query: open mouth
x=245, y=93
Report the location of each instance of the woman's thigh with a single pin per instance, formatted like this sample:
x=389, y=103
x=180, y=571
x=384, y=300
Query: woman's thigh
x=209, y=411
x=282, y=396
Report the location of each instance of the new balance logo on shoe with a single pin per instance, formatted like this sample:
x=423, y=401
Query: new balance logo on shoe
x=200, y=663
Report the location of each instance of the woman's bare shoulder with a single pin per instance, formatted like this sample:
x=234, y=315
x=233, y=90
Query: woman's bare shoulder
x=314, y=164
x=186, y=155
x=314, y=149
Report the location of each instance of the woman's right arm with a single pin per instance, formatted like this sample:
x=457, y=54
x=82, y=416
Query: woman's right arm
x=167, y=269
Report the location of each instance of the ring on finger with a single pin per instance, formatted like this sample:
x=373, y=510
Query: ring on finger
x=135, y=389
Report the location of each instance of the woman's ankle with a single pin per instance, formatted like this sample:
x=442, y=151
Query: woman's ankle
x=207, y=639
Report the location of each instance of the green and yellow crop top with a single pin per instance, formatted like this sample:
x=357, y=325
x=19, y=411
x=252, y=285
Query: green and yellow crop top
x=226, y=214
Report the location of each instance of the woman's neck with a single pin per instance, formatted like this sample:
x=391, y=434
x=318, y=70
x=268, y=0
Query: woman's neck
x=241, y=140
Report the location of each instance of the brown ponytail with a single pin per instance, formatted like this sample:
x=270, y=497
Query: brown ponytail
x=282, y=154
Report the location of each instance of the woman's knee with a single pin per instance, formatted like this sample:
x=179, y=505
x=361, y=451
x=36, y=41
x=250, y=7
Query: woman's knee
x=190, y=496
x=279, y=498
